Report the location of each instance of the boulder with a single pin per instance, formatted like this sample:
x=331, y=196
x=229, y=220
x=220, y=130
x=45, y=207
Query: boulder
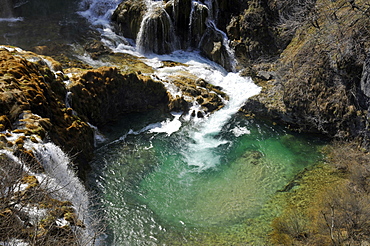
x=128, y=17
x=213, y=48
x=102, y=95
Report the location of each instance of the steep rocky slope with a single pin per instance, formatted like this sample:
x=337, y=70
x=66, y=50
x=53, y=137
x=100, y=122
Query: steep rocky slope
x=316, y=80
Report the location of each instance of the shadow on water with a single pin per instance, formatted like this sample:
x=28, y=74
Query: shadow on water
x=37, y=22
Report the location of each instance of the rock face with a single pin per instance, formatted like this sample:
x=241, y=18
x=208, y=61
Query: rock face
x=33, y=102
x=365, y=83
x=102, y=95
x=162, y=27
x=181, y=16
x=212, y=46
x=157, y=33
x=6, y=10
x=319, y=73
x=129, y=15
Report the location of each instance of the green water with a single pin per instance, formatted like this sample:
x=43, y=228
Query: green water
x=151, y=196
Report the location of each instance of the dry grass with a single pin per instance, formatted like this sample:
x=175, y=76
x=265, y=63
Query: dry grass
x=332, y=204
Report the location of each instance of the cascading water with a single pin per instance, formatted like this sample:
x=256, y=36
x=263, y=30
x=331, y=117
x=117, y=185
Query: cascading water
x=179, y=181
x=60, y=181
x=156, y=31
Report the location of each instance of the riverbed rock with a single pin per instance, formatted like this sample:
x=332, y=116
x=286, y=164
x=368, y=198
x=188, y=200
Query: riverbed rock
x=210, y=98
x=102, y=95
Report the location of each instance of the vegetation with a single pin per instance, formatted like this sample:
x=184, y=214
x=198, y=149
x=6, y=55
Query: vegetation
x=322, y=66
x=31, y=211
x=331, y=205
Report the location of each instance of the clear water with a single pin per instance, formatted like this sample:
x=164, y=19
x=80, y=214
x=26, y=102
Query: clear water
x=152, y=196
x=193, y=183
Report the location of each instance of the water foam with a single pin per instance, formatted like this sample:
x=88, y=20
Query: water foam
x=201, y=150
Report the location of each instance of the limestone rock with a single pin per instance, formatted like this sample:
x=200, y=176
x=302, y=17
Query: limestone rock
x=128, y=16
x=102, y=95
x=32, y=101
x=212, y=47
x=182, y=10
x=365, y=81
x=157, y=34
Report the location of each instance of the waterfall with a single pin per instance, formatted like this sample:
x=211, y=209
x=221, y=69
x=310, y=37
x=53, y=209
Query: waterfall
x=156, y=31
x=165, y=27
x=198, y=16
x=160, y=31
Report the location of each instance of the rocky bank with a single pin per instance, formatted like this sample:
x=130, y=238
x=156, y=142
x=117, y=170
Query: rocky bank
x=309, y=57
x=313, y=73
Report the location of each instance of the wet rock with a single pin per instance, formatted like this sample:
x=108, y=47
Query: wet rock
x=209, y=97
x=32, y=100
x=96, y=48
x=212, y=47
x=268, y=104
x=169, y=27
x=182, y=10
x=102, y=95
x=128, y=16
x=157, y=34
x=198, y=27
x=178, y=104
x=201, y=83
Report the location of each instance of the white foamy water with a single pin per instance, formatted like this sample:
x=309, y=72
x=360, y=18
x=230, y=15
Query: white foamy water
x=201, y=150
x=11, y=19
x=169, y=126
x=240, y=131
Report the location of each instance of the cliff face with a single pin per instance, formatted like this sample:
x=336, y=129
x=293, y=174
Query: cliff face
x=32, y=102
x=322, y=49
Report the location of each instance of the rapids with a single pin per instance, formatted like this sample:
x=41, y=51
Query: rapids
x=183, y=180
x=193, y=181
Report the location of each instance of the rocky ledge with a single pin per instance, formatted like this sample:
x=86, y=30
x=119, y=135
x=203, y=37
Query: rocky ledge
x=40, y=102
